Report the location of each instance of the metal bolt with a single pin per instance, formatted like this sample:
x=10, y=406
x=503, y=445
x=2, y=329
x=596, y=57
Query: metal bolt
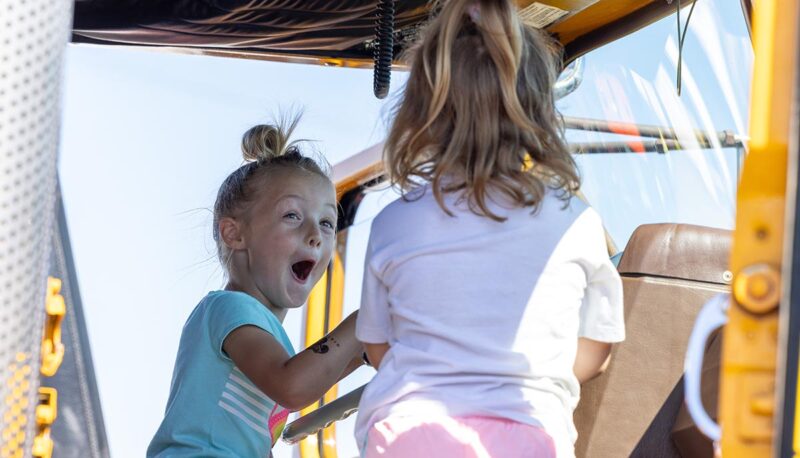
x=757, y=288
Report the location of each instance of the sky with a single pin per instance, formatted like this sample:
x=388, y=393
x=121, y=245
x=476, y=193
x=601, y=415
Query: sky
x=147, y=137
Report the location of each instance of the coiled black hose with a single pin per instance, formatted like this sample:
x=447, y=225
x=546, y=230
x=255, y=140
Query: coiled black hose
x=384, y=48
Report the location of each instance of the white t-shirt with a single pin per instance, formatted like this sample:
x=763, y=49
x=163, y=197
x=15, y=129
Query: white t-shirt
x=483, y=317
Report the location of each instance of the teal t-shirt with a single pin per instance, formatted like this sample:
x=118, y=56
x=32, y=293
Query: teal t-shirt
x=213, y=409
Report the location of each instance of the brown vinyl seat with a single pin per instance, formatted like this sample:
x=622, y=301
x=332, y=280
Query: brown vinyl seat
x=668, y=272
x=685, y=434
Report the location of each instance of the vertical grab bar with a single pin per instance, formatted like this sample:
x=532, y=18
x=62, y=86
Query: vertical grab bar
x=711, y=316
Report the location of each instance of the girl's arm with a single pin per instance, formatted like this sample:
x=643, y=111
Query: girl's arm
x=375, y=353
x=354, y=364
x=302, y=379
x=592, y=359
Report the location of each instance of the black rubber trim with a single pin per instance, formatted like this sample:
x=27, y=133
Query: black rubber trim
x=747, y=10
x=792, y=317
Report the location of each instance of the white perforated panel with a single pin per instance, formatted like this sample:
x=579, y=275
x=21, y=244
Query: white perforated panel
x=33, y=35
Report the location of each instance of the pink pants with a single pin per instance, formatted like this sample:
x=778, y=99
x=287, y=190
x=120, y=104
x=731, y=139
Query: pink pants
x=467, y=437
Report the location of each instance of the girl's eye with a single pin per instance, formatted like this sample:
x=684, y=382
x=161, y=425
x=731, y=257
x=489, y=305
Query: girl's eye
x=292, y=215
x=329, y=224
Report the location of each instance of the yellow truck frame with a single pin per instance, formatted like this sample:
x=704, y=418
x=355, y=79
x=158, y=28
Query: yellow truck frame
x=758, y=414
x=759, y=377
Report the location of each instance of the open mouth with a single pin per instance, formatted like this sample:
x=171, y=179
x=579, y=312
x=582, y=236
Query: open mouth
x=302, y=270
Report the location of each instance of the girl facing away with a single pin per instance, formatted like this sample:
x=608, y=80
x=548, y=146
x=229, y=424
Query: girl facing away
x=236, y=375
x=488, y=295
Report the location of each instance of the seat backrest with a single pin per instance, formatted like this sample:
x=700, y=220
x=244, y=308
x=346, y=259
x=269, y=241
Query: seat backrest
x=689, y=440
x=668, y=272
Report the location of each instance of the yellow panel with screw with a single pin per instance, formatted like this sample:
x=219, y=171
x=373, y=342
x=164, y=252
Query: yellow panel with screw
x=747, y=385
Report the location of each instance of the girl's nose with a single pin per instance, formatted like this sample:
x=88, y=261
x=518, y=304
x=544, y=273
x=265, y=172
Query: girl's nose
x=314, y=237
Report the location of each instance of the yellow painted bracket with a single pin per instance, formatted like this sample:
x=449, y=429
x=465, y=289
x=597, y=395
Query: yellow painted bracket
x=747, y=387
x=52, y=347
x=46, y=413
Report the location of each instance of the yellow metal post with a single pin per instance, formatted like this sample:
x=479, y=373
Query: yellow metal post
x=324, y=312
x=747, y=394
x=315, y=330
x=335, y=309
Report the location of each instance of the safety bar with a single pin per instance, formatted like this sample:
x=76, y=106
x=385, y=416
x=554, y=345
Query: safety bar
x=726, y=138
x=323, y=417
x=634, y=146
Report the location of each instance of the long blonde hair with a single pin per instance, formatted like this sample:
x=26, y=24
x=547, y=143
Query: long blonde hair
x=478, y=108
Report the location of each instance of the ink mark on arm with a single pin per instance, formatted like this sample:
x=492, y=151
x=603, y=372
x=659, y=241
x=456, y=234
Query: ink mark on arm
x=322, y=346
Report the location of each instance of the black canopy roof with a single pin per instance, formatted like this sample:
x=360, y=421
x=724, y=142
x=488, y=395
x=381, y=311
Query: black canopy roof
x=330, y=28
x=326, y=30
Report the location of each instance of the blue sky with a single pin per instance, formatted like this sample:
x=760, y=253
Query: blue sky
x=147, y=137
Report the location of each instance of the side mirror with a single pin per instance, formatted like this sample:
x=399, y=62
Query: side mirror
x=570, y=79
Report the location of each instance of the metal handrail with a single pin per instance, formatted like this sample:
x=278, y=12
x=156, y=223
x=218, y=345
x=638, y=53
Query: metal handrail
x=323, y=417
x=711, y=317
x=726, y=138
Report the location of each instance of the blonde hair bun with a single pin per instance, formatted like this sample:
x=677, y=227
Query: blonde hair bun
x=264, y=142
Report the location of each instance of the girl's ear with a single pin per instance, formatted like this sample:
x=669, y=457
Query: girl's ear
x=231, y=233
